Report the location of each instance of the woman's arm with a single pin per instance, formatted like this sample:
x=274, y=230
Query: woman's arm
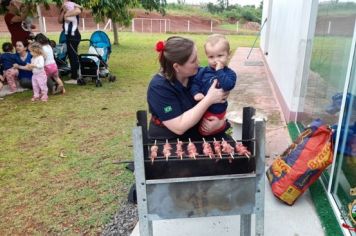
x=188, y=119
x=76, y=11
x=61, y=16
x=23, y=14
x=26, y=67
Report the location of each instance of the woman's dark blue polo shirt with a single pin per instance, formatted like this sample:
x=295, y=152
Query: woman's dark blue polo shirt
x=167, y=100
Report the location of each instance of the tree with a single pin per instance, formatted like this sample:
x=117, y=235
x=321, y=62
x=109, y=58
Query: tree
x=116, y=10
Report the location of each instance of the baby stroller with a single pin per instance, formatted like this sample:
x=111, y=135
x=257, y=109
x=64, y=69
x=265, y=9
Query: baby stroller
x=60, y=55
x=94, y=64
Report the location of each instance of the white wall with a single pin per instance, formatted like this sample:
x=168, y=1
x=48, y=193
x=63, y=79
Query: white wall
x=286, y=37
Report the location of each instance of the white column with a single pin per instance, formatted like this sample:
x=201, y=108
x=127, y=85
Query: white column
x=151, y=25
x=133, y=25
x=44, y=24
x=83, y=24
x=211, y=25
x=188, y=25
x=329, y=27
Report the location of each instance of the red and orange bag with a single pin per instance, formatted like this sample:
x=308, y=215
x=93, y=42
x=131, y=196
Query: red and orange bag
x=302, y=163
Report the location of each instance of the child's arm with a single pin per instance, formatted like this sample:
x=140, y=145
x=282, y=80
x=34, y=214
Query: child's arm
x=227, y=78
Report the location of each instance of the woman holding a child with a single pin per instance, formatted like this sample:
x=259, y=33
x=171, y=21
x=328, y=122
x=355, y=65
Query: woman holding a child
x=175, y=113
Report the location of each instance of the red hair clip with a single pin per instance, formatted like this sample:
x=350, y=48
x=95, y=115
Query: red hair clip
x=160, y=46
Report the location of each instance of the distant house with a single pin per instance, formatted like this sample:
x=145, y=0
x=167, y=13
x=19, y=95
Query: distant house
x=309, y=47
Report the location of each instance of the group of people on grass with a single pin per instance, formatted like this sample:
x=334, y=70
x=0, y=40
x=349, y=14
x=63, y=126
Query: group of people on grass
x=185, y=100
x=33, y=65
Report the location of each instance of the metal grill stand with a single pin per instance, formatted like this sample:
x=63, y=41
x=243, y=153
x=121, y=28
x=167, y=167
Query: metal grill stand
x=202, y=196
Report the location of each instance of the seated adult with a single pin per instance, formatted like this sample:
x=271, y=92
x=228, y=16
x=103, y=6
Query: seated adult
x=23, y=57
x=14, y=18
x=175, y=113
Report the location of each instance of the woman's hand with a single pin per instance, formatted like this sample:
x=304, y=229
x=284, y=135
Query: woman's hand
x=216, y=95
x=211, y=124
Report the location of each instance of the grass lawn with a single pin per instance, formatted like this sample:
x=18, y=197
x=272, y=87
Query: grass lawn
x=42, y=193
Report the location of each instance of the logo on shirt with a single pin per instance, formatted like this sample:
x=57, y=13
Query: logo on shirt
x=167, y=109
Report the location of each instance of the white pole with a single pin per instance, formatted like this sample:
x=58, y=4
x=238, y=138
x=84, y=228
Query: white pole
x=110, y=25
x=97, y=27
x=211, y=26
x=151, y=26
x=329, y=27
x=107, y=24
x=44, y=24
x=188, y=25
x=83, y=24
x=39, y=13
x=133, y=25
x=142, y=25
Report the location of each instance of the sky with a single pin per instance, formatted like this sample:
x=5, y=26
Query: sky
x=240, y=2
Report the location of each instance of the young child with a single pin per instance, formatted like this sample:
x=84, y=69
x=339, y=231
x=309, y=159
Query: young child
x=7, y=59
x=217, y=50
x=50, y=64
x=69, y=6
x=39, y=77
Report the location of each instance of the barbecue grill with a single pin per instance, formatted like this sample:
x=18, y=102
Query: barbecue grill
x=185, y=187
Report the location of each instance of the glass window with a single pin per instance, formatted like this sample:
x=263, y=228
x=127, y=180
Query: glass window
x=330, y=57
x=329, y=71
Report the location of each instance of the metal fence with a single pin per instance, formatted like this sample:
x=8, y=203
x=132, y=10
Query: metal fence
x=193, y=25
x=50, y=24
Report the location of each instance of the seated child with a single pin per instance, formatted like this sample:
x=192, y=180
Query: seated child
x=69, y=6
x=217, y=50
x=7, y=59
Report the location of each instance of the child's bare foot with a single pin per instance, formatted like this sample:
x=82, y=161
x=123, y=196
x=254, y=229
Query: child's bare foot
x=34, y=99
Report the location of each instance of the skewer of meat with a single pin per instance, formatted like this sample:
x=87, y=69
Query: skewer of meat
x=228, y=149
x=167, y=150
x=242, y=150
x=217, y=148
x=180, y=152
x=192, y=150
x=207, y=150
x=154, y=149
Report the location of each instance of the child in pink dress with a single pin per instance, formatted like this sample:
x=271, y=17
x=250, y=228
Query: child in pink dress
x=39, y=77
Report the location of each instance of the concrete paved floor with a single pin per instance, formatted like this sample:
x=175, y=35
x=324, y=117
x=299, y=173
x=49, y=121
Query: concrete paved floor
x=254, y=89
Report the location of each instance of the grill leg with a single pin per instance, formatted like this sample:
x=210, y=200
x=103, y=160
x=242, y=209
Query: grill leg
x=245, y=225
x=145, y=223
x=260, y=175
